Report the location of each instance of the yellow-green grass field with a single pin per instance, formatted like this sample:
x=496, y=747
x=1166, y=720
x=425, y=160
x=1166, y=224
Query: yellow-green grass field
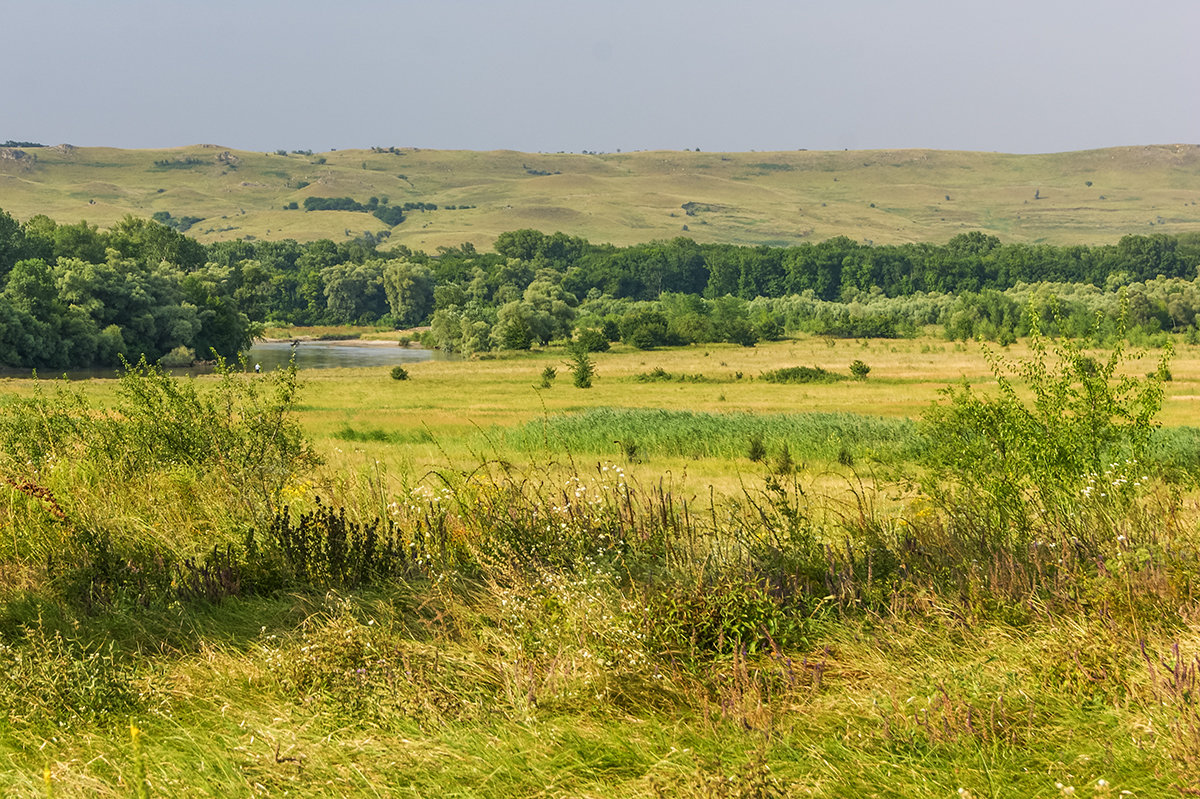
x=1036, y=671
x=882, y=196
x=453, y=413
x=461, y=414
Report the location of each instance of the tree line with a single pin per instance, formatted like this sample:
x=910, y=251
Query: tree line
x=75, y=295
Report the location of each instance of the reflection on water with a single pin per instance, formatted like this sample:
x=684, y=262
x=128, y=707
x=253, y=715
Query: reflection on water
x=334, y=354
x=272, y=354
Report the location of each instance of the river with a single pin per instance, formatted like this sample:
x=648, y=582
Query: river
x=269, y=355
x=335, y=354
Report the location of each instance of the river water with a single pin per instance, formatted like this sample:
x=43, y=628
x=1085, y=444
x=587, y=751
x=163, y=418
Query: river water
x=268, y=355
x=334, y=354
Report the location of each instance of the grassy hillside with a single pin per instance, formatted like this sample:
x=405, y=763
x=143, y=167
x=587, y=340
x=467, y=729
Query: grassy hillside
x=885, y=196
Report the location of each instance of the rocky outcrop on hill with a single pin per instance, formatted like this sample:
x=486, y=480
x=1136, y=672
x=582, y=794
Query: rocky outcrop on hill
x=13, y=154
x=14, y=157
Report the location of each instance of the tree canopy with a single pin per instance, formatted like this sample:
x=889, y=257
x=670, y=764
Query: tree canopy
x=75, y=295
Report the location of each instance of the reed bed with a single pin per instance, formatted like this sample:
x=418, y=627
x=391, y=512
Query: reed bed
x=692, y=434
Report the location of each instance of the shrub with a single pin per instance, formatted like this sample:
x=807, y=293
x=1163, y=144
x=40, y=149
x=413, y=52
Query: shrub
x=644, y=329
x=180, y=356
x=740, y=331
x=859, y=370
x=725, y=616
x=802, y=374
x=660, y=375
x=592, y=340
x=655, y=375
x=582, y=368
x=238, y=433
x=389, y=215
x=1017, y=461
x=768, y=326
x=399, y=373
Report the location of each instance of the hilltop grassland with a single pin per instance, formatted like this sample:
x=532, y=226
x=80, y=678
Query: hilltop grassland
x=884, y=196
x=481, y=580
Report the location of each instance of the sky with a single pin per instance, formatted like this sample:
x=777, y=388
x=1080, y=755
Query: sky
x=1012, y=76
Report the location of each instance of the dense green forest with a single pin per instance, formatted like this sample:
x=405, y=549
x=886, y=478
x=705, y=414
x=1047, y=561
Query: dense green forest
x=75, y=295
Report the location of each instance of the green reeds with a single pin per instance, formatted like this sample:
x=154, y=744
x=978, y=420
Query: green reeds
x=689, y=434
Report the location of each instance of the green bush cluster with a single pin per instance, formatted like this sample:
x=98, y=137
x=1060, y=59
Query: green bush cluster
x=801, y=374
x=660, y=375
x=1020, y=463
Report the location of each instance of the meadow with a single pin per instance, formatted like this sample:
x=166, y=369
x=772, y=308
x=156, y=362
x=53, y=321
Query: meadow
x=683, y=581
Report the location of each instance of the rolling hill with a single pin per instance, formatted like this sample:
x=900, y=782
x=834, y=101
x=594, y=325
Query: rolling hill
x=881, y=196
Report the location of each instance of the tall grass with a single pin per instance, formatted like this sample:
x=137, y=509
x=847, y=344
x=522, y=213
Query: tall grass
x=561, y=631
x=692, y=434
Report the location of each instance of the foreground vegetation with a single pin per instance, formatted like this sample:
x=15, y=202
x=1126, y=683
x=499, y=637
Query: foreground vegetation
x=238, y=584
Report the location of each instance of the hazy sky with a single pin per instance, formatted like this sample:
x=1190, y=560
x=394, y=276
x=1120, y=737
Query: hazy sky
x=1008, y=75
